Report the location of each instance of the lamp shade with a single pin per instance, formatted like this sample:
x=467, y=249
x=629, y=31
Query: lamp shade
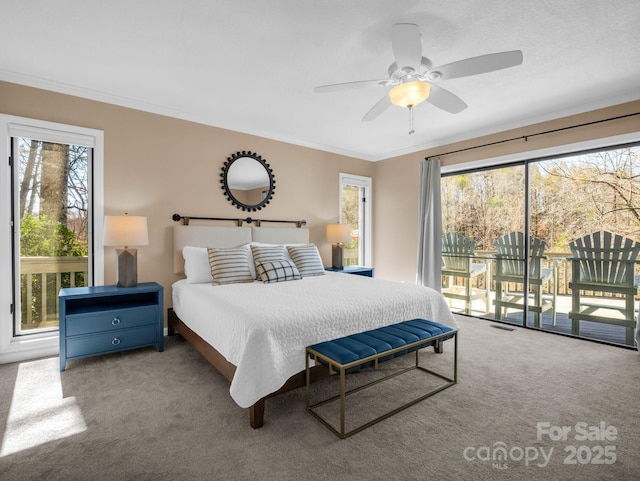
x=409, y=94
x=125, y=230
x=338, y=233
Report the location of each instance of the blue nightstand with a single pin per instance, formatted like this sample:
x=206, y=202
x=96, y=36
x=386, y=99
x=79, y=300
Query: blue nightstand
x=101, y=319
x=356, y=270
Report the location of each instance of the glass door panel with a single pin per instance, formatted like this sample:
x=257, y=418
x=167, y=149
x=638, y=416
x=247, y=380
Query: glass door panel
x=355, y=211
x=51, y=206
x=352, y=210
x=587, y=209
x=485, y=210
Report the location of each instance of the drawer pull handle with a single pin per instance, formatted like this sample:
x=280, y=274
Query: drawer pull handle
x=115, y=341
x=115, y=321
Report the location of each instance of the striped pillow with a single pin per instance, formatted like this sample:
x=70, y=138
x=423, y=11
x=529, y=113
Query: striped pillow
x=277, y=271
x=262, y=254
x=229, y=266
x=307, y=260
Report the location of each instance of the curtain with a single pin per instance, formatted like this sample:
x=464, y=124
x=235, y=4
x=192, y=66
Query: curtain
x=430, y=226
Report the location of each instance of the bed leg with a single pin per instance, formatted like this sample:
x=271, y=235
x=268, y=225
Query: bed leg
x=438, y=347
x=256, y=414
x=171, y=327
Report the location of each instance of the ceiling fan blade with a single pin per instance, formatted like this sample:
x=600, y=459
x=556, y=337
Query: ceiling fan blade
x=407, y=46
x=445, y=100
x=383, y=104
x=350, y=86
x=476, y=65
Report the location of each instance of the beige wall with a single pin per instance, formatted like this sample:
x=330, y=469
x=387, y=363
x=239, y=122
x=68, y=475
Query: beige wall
x=157, y=166
x=395, y=184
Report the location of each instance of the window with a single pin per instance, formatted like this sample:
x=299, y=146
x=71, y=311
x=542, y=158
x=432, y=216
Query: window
x=355, y=210
x=52, y=208
x=543, y=226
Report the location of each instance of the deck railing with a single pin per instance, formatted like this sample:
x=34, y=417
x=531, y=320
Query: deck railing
x=557, y=259
x=41, y=278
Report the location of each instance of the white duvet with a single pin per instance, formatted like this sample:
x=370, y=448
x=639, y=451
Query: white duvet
x=263, y=329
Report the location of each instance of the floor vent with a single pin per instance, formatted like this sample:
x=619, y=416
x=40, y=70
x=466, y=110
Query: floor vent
x=504, y=328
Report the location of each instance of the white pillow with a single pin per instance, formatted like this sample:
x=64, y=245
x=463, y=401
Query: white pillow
x=229, y=266
x=196, y=265
x=307, y=260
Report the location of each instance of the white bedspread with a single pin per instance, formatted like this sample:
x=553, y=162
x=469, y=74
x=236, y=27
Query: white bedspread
x=263, y=329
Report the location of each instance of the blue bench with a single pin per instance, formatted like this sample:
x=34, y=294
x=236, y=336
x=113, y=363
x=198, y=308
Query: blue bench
x=352, y=353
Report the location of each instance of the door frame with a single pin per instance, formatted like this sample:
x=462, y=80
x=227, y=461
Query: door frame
x=366, y=183
x=15, y=348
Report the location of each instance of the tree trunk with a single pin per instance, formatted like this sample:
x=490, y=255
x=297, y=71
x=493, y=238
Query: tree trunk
x=27, y=181
x=53, y=184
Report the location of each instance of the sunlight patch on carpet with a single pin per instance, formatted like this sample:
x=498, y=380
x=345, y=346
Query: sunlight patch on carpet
x=39, y=414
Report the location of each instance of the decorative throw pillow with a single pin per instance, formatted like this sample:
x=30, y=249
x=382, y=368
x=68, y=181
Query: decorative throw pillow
x=267, y=253
x=277, y=271
x=286, y=247
x=196, y=265
x=229, y=266
x=307, y=260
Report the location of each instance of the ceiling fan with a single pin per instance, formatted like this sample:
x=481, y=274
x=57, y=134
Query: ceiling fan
x=413, y=78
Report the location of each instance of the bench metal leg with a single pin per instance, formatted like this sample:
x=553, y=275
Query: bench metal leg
x=449, y=381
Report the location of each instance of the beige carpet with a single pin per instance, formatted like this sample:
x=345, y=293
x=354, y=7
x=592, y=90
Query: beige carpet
x=144, y=415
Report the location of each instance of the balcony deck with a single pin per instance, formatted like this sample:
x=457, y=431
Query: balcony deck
x=590, y=330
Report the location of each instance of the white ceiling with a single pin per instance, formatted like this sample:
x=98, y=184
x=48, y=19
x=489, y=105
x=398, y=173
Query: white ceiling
x=251, y=65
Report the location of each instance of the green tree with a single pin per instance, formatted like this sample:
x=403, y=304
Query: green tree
x=41, y=236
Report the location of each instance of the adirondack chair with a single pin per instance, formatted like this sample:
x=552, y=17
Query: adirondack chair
x=603, y=263
x=458, y=252
x=510, y=259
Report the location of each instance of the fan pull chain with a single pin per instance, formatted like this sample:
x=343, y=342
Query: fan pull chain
x=411, y=131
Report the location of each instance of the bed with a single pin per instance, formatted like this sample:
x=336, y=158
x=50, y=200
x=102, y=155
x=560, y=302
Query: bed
x=255, y=333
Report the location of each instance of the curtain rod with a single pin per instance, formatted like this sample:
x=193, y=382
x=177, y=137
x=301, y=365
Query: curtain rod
x=526, y=137
x=248, y=220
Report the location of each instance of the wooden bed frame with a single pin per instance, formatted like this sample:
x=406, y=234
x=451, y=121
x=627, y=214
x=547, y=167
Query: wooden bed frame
x=224, y=367
x=205, y=236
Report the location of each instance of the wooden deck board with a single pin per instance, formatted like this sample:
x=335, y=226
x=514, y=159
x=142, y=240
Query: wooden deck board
x=590, y=330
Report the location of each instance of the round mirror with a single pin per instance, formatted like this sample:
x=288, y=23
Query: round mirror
x=247, y=181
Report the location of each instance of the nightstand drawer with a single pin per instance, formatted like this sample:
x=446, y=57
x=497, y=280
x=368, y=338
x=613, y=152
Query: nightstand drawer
x=111, y=341
x=110, y=320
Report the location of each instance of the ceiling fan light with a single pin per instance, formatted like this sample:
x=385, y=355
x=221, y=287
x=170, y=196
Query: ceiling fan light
x=409, y=94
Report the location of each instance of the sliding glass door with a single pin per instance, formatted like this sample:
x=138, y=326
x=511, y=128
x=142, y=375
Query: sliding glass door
x=484, y=211
x=565, y=231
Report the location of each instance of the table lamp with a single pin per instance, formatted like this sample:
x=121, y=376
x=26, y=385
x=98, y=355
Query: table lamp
x=337, y=234
x=126, y=230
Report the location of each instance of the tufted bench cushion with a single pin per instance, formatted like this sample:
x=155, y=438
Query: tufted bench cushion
x=348, y=349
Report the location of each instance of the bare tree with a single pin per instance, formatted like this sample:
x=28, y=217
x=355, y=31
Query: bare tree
x=604, y=187
x=29, y=177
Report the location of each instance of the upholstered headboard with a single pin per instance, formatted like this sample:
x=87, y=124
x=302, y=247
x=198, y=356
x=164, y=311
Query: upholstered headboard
x=205, y=236
x=280, y=235
x=216, y=236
